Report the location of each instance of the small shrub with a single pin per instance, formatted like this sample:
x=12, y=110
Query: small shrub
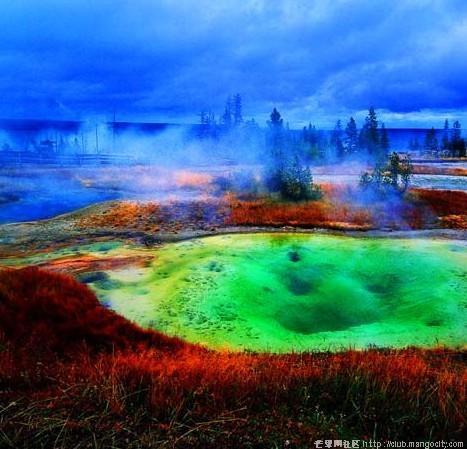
x=393, y=177
x=293, y=181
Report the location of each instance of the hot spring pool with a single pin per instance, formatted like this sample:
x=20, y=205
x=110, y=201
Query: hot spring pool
x=296, y=292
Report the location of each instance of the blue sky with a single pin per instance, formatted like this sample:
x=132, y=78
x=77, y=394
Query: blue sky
x=165, y=60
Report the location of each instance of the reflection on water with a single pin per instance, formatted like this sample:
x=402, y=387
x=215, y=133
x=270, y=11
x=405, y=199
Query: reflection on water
x=26, y=199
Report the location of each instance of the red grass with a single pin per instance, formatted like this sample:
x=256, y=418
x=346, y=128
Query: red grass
x=443, y=202
x=152, y=389
x=329, y=213
x=421, y=207
x=54, y=311
x=449, y=205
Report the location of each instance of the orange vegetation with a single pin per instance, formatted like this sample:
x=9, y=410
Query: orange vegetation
x=329, y=213
x=443, y=202
x=185, y=178
x=53, y=311
x=125, y=214
x=149, y=217
x=142, y=178
x=309, y=214
x=74, y=373
x=449, y=205
x=336, y=210
x=419, y=208
x=86, y=263
x=454, y=221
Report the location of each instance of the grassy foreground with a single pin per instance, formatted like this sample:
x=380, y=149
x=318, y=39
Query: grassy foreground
x=74, y=374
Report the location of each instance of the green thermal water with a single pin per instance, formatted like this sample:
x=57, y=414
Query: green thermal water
x=295, y=292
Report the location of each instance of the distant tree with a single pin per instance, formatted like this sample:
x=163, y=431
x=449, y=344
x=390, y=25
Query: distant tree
x=227, y=115
x=311, y=140
x=202, y=117
x=310, y=134
x=445, y=141
x=431, y=142
x=275, y=156
x=237, y=110
x=296, y=182
x=351, y=137
x=456, y=131
x=463, y=149
x=276, y=133
x=276, y=120
x=369, y=135
x=384, y=140
x=252, y=136
x=457, y=142
x=336, y=140
x=208, y=124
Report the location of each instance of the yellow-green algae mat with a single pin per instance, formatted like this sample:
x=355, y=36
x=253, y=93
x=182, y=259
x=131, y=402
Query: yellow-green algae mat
x=297, y=292
x=289, y=292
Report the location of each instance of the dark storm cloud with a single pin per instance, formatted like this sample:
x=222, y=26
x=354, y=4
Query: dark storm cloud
x=167, y=60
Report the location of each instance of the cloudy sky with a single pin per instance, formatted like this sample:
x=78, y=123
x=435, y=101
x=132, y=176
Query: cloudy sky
x=165, y=60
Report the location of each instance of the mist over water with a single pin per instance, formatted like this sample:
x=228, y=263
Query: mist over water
x=176, y=162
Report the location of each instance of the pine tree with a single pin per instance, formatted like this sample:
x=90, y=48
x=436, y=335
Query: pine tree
x=237, y=110
x=456, y=131
x=384, y=143
x=431, y=142
x=351, y=137
x=336, y=140
x=457, y=144
x=227, y=116
x=445, y=143
x=276, y=119
x=276, y=132
x=296, y=182
x=275, y=155
x=207, y=120
x=369, y=137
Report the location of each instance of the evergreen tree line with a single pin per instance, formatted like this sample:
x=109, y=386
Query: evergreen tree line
x=230, y=122
x=451, y=143
x=287, y=155
x=370, y=141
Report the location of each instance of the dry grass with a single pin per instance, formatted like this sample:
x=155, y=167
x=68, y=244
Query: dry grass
x=308, y=214
x=73, y=374
x=454, y=221
x=340, y=208
x=418, y=209
x=329, y=212
x=443, y=202
x=150, y=217
x=450, y=206
x=125, y=214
